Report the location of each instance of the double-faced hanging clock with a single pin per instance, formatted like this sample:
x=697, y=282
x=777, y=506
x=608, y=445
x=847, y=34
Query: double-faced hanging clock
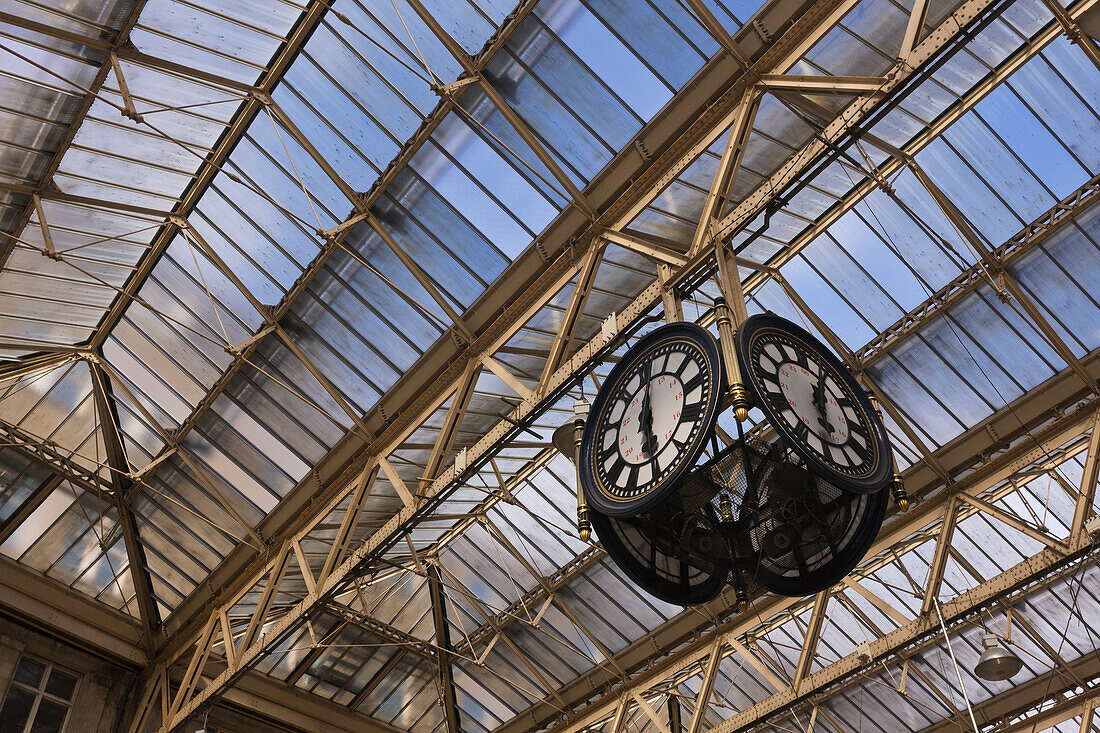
x=814, y=403
x=651, y=419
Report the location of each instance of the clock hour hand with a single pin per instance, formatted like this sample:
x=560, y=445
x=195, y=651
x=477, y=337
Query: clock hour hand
x=649, y=440
x=819, y=402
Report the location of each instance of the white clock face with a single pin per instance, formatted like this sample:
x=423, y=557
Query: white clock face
x=653, y=415
x=665, y=396
x=814, y=403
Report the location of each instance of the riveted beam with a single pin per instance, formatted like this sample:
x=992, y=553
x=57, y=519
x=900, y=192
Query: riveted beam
x=728, y=166
x=571, y=318
x=1007, y=279
x=1037, y=704
x=1073, y=32
x=452, y=423
x=1019, y=581
x=1038, y=231
x=811, y=638
x=1089, y=477
x=50, y=455
x=405, y=515
x=391, y=634
x=706, y=687
x=111, y=433
x=659, y=250
x=414, y=399
x=443, y=641
x=925, y=489
x=804, y=84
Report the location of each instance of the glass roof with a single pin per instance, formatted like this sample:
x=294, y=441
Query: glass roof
x=318, y=201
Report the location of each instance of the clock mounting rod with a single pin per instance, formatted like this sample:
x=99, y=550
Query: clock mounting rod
x=730, y=312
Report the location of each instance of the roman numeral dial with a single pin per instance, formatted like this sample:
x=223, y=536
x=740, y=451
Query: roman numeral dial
x=651, y=418
x=813, y=402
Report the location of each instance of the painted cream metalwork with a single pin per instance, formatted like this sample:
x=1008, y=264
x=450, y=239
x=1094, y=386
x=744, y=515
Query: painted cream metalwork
x=338, y=476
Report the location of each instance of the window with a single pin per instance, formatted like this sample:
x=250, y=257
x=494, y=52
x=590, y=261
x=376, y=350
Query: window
x=38, y=700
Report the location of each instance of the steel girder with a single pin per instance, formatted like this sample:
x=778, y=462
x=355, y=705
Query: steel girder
x=1053, y=220
x=335, y=470
x=52, y=456
x=260, y=96
x=119, y=469
x=695, y=639
x=646, y=300
x=1032, y=235
x=392, y=635
x=1038, y=704
x=232, y=568
x=1018, y=582
x=1058, y=391
x=852, y=122
x=551, y=278
x=443, y=642
x=1027, y=238
x=56, y=609
x=209, y=168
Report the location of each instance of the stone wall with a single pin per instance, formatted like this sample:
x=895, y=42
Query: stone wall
x=103, y=685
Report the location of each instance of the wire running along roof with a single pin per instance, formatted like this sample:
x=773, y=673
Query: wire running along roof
x=243, y=349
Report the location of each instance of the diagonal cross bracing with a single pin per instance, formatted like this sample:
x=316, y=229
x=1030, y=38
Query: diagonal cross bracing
x=1026, y=239
x=420, y=392
x=692, y=636
x=574, y=366
x=70, y=133
x=814, y=24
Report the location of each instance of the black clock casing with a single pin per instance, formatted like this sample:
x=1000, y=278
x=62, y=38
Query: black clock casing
x=623, y=470
x=814, y=403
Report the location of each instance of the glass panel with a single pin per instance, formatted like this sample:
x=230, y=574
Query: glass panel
x=672, y=43
x=1044, y=154
x=50, y=717
x=17, y=707
x=30, y=672
x=22, y=480
x=61, y=684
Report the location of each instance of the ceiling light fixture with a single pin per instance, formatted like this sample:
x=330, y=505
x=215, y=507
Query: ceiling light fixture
x=997, y=663
x=563, y=441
